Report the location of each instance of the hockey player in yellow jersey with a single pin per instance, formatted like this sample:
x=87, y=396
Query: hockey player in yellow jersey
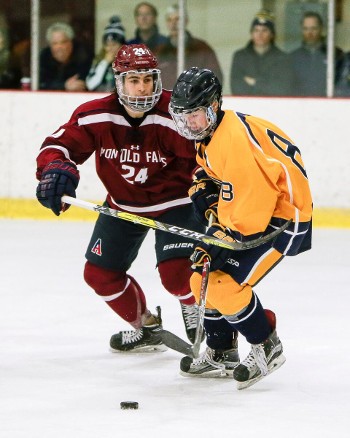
x=252, y=179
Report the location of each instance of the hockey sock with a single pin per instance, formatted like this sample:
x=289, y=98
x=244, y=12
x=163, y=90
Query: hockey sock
x=120, y=291
x=218, y=330
x=175, y=276
x=252, y=322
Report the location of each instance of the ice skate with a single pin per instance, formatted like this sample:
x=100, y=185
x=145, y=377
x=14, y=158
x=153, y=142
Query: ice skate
x=142, y=340
x=211, y=363
x=262, y=360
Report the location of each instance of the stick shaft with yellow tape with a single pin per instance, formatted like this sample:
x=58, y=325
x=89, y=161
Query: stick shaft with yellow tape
x=157, y=225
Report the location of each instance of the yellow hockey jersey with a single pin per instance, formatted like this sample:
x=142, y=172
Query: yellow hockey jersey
x=262, y=177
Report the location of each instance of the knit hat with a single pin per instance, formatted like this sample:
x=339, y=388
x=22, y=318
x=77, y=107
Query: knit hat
x=114, y=31
x=264, y=18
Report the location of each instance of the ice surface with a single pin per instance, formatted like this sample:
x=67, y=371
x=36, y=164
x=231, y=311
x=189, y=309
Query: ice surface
x=59, y=379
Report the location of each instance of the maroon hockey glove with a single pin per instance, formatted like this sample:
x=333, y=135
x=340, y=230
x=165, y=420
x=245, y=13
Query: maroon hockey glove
x=204, y=194
x=216, y=254
x=58, y=178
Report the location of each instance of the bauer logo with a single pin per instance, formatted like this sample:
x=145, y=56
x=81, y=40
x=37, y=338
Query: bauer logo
x=177, y=245
x=97, y=248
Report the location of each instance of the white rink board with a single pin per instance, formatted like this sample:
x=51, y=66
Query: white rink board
x=318, y=126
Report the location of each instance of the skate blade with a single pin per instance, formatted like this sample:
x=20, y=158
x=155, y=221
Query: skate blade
x=277, y=364
x=212, y=374
x=143, y=350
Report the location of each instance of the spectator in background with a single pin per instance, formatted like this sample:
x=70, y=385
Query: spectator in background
x=65, y=63
x=101, y=75
x=147, y=29
x=9, y=73
x=197, y=52
x=310, y=60
x=261, y=68
x=343, y=86
x=22, y=56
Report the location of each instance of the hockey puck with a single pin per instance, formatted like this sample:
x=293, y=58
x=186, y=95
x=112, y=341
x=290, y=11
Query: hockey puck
x=129, y=405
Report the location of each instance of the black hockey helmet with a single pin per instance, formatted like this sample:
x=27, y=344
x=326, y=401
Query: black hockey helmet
x=196, y=88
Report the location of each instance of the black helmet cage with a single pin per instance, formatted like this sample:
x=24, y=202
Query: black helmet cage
x=195, y=89
x=184, y=128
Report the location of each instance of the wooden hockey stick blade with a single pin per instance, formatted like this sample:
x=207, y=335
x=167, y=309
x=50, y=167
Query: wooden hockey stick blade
x=176, y=343
x=157, y=225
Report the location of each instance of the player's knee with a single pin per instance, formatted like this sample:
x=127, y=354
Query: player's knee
x=103, y=281
x=175, y=275
x=224, y=293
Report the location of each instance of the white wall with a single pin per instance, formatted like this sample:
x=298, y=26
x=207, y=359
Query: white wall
x=318, y=126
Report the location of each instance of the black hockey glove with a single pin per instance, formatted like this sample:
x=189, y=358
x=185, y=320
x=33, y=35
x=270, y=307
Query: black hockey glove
x=57, y=179
x=216, y=254
x=204, y=194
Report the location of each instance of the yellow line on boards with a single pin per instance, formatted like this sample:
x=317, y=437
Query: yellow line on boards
x=31, y=209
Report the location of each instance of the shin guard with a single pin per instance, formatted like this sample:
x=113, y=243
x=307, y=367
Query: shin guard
x=219, y=331
x=252, y=322
x=120, y=291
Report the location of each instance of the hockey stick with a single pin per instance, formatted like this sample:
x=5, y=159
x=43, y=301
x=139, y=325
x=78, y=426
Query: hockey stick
x=157, y=225
x=176, y=343
x=170, y=339
x=202, y=300
x=201, y=308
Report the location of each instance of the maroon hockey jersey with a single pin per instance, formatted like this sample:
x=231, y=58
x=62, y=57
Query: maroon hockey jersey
x=144, y=164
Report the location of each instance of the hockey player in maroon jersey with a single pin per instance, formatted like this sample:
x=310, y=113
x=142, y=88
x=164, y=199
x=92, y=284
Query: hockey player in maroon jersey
x=146, y=168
